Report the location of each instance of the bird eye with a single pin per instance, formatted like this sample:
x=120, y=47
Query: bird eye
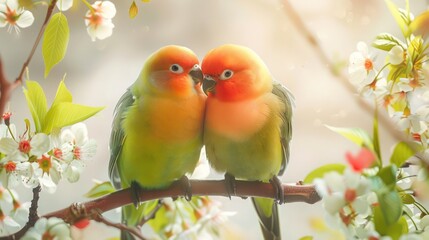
x=176, y=68
x=226, y=74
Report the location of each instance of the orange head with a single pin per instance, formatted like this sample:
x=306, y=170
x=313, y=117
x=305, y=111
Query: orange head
x=171, y=71
x=234, y=73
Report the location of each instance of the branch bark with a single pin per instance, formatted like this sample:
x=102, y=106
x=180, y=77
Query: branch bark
x=293, y=193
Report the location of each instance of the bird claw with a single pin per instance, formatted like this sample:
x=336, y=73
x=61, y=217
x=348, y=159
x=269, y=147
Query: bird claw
x=278, y=188
x=230, y=185
x=186, y=187
x=135, y=193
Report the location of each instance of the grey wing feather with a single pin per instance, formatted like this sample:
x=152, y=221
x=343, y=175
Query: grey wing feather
x=286, y=129
x=117, y=136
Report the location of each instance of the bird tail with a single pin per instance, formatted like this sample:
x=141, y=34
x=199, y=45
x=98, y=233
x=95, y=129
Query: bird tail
x=268, y=214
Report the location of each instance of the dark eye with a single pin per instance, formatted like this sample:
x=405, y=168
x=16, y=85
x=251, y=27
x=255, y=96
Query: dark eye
x=176, y=68
x=226, y=74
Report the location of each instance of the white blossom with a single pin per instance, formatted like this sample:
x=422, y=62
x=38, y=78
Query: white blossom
x=14, y=16
x=99, y=20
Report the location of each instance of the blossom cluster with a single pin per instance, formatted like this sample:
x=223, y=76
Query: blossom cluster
x=40, y=159
x=98, y=18
x=33, y=159
x=372, y=198
x=400, y=86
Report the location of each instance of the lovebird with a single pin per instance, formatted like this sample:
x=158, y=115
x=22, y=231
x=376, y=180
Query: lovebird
x=247, y=127
x=157, y=130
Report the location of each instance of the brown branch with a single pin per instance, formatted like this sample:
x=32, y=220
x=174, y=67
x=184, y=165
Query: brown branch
x=311, y=39
x=293, y=193
x=7, y=87
x=77, y=211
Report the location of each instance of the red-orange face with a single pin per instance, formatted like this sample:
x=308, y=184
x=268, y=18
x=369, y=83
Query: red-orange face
x=174, y=70
x=231, y=73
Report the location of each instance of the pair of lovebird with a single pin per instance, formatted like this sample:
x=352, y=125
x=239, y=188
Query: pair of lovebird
x=230, y=104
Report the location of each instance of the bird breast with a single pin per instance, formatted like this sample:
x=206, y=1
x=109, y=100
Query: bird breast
x=237, y=120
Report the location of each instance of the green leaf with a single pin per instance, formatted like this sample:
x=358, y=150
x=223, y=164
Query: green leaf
x=390, y=204
x=100, y=189
x=66, y=113
x=407, y=198
x=386, y=41
x=394, y=230
x=399, y=17
x=402, y=152
x=55, y=41
x=320, y=171
x=388, y=175
x=356, y=135
x=62, y=95
x=36, y=101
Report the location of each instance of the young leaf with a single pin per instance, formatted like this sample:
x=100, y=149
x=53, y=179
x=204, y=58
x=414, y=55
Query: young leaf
x=66, y=113
x=100, y=189
x=402, y=152
x=420, y=25
x=388, y=175
x=134, y=10
x=36, y=101
x=407, y=198
x=320, y=171
x=356, y=135
x=386, y=41
x=62, y=95
x=391, y=205
x=55, y=41
x=397, y=15
x=375, y=140
x=394, y=230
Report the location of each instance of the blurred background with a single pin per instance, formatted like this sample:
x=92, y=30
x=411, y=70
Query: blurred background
x=99, y=72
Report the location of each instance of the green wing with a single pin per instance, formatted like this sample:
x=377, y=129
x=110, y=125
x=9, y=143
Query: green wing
x=117, y=136
x=286, y=129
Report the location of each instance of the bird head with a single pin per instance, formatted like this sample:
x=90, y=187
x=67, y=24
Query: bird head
x=172, y=71
x=234, y=73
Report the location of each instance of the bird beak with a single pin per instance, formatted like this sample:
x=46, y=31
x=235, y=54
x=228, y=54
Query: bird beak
x=209, y=85
x=196, y=74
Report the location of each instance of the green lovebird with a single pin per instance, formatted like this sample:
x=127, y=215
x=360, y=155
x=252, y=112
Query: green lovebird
x=157, y=131
x=247, y=126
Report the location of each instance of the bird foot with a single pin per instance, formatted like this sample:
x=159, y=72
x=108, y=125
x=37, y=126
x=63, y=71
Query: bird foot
x=230, y=185
x=278, y=188
x=135, y=193
x=186, y=187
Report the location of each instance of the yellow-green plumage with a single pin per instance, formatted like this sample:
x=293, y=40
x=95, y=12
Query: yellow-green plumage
x=248, y=123
x=157, y=129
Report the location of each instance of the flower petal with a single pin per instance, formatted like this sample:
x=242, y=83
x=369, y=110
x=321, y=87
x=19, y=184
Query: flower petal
x=25, y=19
x=64, y=5
x=108, y=9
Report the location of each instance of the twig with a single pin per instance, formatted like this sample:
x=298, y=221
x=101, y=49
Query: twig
x=6, y=87
x=134, y=231
x=32, y=216
x=152, y=213
x=311, y=39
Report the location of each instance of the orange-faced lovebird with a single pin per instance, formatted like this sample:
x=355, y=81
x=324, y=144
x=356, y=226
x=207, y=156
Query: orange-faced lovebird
x=157, y=131
x=247, y=127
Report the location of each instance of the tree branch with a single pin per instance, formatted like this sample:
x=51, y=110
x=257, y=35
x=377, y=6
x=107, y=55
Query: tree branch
x=311, y=39
x=7, y=87
x=293, y=193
